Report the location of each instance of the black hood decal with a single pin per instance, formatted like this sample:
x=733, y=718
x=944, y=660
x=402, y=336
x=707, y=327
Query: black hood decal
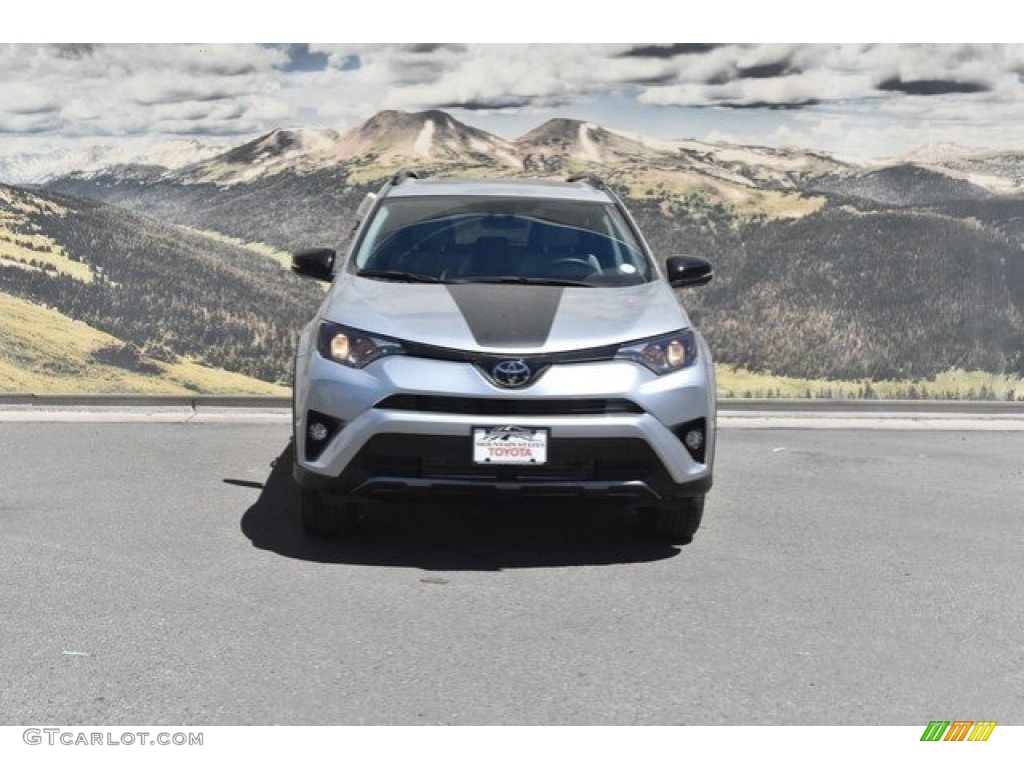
x=507, y=315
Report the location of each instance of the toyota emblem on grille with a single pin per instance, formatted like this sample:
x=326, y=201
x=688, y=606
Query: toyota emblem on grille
x=511, y=373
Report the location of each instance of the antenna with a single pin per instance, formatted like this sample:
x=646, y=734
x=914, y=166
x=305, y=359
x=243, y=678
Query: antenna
x=588, y=178
x=402, y=175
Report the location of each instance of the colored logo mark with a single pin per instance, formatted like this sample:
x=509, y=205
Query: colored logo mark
x=958, y=730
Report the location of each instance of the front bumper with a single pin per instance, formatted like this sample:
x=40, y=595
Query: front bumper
x=598, y=469
x=406, y=425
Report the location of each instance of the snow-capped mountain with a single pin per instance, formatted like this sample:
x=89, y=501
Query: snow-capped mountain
x=562, y=140
x=425, y=137
x=935, y=154
x=763, y=165
x=991, y=171
x=997, y=172
x=283, y=149
x=436, y=142
x=434, y=139
x=387, y=139
x=39, y=166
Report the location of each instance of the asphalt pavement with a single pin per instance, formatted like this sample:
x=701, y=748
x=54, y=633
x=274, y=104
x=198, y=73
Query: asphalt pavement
x=152, y=571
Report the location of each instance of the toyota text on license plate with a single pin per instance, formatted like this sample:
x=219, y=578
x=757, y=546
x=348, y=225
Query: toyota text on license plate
x=510, y=445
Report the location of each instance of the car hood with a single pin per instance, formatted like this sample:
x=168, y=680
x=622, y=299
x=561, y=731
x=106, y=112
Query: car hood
x=503, y=317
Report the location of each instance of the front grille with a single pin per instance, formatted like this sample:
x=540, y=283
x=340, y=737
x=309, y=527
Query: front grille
x=486, y=359
x=536, y=364
x=484, y=406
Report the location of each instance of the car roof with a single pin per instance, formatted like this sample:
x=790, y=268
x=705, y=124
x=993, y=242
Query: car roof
x=537, y=188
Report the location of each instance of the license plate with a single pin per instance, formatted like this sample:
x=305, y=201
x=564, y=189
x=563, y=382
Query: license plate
x=510, y=445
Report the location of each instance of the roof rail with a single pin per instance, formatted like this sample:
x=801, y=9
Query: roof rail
x=402, y=175
x=595, y=181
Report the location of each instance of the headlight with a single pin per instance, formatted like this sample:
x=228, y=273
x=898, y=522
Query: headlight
x=662, y=354
x=354, y=348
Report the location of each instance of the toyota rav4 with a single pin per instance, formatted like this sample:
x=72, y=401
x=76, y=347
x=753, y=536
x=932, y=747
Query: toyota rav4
x=502, y=337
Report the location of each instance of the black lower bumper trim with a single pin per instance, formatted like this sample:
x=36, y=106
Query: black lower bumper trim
x=387, y=487
x=395, y=466
x=401, y=488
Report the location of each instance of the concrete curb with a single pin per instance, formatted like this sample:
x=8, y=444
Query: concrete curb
x=986, y=407
x=149, y=401
x=760, y=405
x=732, y=413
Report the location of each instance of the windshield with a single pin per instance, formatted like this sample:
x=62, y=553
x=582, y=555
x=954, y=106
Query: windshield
x=494, y=239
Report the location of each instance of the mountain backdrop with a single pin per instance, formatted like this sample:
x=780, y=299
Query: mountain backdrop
x=825, y=269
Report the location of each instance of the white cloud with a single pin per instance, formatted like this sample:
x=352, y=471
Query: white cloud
x=21, y=98
x=223, y=90
x=127, y=89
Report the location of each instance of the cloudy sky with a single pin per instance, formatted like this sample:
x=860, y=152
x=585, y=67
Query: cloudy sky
x=858, y=101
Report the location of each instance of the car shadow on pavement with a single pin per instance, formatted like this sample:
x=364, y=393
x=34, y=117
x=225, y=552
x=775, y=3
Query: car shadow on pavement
x=478, y=535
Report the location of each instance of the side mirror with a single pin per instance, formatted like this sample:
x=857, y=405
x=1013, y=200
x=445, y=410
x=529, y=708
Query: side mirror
x=314, y=262
x=686, y=271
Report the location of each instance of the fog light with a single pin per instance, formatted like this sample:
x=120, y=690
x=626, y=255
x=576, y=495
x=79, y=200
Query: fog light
x=320, y=430
x=694, y=439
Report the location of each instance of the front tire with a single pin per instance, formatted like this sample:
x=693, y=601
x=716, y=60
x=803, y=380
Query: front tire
x=320, y=518
x=676, y=522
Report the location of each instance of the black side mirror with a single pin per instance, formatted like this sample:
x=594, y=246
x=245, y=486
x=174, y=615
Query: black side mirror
x=314, y=262
x=685, y=271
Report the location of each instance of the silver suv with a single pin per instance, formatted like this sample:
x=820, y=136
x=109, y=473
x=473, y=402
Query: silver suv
x=502, y=337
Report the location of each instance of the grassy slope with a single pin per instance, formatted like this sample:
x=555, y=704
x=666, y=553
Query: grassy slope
x=21, y=243
x=950, y=385
x=282, y=258
x=673, y=188
x=44, y=351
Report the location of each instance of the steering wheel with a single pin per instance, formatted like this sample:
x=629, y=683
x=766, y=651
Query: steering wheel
x=576, y=265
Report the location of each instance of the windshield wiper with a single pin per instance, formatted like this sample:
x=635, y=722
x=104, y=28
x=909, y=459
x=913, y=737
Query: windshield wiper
x=520, y=280
x=398, y=276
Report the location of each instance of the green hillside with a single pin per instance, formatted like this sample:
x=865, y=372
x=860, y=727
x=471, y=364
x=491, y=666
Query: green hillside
x=167, y=292
x=948, y=385
x=43, y=351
